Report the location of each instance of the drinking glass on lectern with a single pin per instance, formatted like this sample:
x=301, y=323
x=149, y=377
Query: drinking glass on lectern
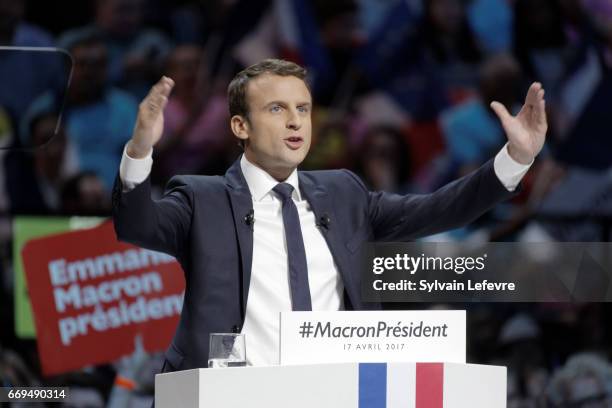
x=227, y=350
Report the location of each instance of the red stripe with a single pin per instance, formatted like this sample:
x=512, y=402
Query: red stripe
x=429, y=385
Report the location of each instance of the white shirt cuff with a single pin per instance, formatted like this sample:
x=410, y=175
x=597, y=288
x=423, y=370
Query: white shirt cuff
x=134, y=171
x=509, y=171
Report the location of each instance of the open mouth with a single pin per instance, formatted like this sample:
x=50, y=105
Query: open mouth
x=294, y=142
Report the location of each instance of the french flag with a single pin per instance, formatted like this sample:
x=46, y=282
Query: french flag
x=429, y=385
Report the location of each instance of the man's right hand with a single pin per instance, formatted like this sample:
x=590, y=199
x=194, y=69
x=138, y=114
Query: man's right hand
x=150, y=120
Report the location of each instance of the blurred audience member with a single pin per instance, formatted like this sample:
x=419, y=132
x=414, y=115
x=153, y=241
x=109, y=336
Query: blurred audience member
x=35, y=177
x=540, y=41
x=218, y=26
x=449, y=45
x=22, y=78
x=582, y=117
x=14, y=372
x=196, y=119
x=84, y=194
x=471, y=129
x=99, y=119
x=520, y=341
x=330, y=146
x=384, y=160
x=321, y=35
x=135, y=52
x=135, y=377
x=492, y=22
x=340, y=35
x=193, y=22
x=584, y=381
x=436, y=63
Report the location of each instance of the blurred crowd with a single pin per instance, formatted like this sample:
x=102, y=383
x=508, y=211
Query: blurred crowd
x=402, y=91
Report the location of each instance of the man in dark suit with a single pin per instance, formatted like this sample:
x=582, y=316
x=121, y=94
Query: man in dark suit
x=267, y=238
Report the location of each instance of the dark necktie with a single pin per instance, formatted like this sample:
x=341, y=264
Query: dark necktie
x=298, y=269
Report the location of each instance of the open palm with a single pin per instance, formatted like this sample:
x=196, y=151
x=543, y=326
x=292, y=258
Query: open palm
x=150, y=121
x=526, y=132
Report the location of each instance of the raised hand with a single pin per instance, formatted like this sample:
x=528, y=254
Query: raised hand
x=526, y=132
x=150, y=120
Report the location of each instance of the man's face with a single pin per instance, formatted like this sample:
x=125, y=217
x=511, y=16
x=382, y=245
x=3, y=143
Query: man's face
x=279, y=126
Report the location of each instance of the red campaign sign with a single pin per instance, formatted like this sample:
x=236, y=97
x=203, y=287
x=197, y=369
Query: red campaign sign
x=91, y=295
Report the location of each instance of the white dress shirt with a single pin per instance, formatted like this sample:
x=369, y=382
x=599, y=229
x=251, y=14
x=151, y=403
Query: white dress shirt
x=269, y=291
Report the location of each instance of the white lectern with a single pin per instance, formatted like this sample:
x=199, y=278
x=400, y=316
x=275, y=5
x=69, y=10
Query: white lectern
x=346, y=385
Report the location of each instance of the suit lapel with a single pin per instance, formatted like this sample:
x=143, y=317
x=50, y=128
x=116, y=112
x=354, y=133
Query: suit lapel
x=242, y=205
x=321, y=204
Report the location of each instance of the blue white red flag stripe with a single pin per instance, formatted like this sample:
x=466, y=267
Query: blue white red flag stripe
x=372, y=385
x=392, y=385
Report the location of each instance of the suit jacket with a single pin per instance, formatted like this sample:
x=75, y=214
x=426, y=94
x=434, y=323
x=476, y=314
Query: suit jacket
x=203, y=222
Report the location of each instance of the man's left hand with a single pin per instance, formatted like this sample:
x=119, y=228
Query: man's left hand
x=526, y=131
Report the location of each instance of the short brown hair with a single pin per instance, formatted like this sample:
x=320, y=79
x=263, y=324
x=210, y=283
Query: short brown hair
x=236, y=91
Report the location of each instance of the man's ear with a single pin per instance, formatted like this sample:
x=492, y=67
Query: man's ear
x=240, y=127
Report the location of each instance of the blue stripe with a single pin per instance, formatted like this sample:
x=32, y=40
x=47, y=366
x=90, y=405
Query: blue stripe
x=372, y=385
